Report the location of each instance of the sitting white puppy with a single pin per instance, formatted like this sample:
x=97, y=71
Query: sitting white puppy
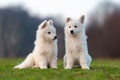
x=45, y=50
x=76, y=44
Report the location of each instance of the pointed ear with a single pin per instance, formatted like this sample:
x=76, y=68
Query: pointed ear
x=43, y=24
x=68, y=19
x=50, y=22
x=82, y=18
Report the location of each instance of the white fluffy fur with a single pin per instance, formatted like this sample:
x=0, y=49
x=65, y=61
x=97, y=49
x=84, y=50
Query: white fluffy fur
x=76, y=44
x=45, y=50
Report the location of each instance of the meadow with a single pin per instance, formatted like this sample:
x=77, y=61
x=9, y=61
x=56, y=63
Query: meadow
x=101, y=69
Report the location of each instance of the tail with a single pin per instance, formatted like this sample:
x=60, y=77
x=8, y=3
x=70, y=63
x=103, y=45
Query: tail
x=28, y=62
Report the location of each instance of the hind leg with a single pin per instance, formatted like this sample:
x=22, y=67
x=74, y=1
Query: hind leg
x=89, y=59
x=28, y=62
x=64, y=58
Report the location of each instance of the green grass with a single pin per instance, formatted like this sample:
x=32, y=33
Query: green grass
x=101, y=69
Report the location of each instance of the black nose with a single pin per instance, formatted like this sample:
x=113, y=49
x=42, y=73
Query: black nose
x=55, y=37
x=71, y=32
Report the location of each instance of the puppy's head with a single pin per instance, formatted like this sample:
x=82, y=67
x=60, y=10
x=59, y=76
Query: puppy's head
x=74, y=27
x=47, y=31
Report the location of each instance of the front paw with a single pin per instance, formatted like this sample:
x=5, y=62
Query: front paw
x=87, y=68
x=43, y=67
x=68, y=67
x=54, y=67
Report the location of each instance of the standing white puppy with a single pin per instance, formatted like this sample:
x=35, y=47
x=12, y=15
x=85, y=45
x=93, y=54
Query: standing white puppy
x=76, y=44
x=45, y=50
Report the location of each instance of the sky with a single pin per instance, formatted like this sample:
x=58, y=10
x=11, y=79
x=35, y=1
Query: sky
x=71, y=8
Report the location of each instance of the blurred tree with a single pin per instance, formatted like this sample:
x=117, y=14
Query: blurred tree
x=103, y=30
x=18, y=31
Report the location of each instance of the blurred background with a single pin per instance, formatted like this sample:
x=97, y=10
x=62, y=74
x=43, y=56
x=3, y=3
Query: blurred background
x=19, y=20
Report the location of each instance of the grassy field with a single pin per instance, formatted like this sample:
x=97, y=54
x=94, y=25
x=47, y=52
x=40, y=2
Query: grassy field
x=101, y=69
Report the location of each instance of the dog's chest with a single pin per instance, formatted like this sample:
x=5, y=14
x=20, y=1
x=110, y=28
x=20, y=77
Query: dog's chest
x=49, y=50
x=74, y=46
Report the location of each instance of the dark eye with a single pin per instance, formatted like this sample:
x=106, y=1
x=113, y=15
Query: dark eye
x=75, y=26
x=69, y=26
x=49, y=32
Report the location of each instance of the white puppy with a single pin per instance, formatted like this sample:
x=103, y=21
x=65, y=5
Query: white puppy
x=45, y=50
x=76, y=44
